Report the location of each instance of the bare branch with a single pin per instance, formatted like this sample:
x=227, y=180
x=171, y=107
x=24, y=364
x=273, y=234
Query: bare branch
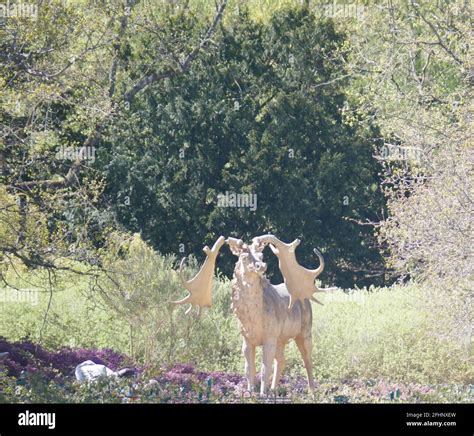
x=183, y=66
x=438, y=37
x=92, y=140
x=123, y=28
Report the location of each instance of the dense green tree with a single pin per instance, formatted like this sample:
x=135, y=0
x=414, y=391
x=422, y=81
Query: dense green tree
x=58, y=75
x=262, y=113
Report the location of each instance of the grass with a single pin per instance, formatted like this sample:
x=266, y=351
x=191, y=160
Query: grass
x=363, y=339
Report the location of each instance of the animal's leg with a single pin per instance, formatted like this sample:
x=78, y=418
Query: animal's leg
x=269, y=350
x=249, y=354
x=305, y=346
x=279, y=365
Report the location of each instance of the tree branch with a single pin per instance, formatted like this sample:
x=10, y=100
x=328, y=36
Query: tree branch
x=123, y=28
x=438, y=37
x=183, y=66
x=92, y=140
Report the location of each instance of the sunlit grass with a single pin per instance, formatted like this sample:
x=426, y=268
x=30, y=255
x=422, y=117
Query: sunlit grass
x=388, y=333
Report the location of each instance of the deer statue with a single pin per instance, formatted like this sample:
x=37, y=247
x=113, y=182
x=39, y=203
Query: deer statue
x=269, y=315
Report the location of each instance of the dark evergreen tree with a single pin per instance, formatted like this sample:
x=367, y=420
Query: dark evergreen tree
x=258, y=113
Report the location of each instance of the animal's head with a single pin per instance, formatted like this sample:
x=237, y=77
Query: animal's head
x=250, y=264
x=250, y=258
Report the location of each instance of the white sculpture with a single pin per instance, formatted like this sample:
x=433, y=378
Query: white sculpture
x=89, y=371
x=269, y=315
x=200, y=287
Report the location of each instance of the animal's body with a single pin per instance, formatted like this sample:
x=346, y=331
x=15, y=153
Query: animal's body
x=266, y=321
x=269, y=315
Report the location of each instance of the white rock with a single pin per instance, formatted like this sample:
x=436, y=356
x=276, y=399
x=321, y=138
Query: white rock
x=88, y=371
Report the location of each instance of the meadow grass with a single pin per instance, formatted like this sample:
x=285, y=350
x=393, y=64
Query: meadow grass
x=387, y=333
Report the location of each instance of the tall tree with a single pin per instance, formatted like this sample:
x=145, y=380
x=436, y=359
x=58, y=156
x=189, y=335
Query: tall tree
x=64, y=79
x=261, y=113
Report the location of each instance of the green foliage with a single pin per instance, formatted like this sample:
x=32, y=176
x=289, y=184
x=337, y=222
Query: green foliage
x=53, y=92
x=410, y=65
x=259, y=113
x=392, y=333
x=140, y=285
x=430, y=232
x=284, y=103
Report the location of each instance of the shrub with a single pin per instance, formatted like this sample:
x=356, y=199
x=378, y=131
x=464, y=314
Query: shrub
x=139, y=286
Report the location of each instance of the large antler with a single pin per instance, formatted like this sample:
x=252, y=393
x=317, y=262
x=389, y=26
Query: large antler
x=298, y=279
x=200, y=286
